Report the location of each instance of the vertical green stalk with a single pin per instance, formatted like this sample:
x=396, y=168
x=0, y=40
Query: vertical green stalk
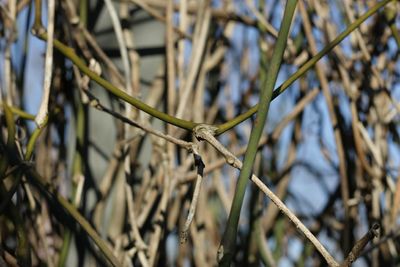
x=83, y=12
x=37, y=24
x=77, y=170
x=227, y=247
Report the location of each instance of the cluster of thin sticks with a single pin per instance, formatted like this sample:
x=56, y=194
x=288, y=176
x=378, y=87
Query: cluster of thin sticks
x=160, y=204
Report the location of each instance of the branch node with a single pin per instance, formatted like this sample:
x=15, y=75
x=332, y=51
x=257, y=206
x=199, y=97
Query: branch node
x=202, y=130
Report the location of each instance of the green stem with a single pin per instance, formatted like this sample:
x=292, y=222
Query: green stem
x=303, y=69
x=268, y=79
x=9, y=158
x=32, y=140
x=71, y=55
x=10, y=128
x=22, y=114
x=65, y=247
x=37, y=24
x=77, y=170
x=83, y=11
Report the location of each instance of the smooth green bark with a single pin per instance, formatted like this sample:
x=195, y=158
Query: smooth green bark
x=267, y=78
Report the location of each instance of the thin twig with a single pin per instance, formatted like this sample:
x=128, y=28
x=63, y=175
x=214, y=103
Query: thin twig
x=158, y=16
x=200, y=170
x=96, y=104
x=140, y=245
x=43, y=110
x=360, y=245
